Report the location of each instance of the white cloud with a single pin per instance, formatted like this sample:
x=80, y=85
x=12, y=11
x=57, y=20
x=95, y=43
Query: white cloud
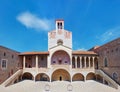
x=30, y=20
x=110, y=34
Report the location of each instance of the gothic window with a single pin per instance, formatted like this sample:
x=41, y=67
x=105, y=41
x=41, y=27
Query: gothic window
x=105, y=62
x=4, y=63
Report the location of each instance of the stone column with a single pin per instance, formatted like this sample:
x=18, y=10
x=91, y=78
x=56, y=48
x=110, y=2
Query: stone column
x=93, y=61
x=75, y=62
x=36, y=61
x=80, y=62
x=23, y=62
x=89, y=61
x=85, y=61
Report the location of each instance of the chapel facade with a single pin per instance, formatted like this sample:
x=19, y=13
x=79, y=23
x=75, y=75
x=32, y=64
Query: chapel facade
x=61, y=63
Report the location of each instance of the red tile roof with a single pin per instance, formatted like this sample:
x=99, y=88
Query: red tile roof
x=34, y=53
x=84, y=52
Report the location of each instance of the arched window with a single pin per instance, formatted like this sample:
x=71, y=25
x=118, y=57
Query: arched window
x=105, y=62
x=60, y=42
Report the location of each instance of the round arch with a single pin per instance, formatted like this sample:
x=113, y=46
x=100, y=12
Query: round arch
x=60, y=75
x=78, y=77
x=27, y=75
x=99, y=78
x=60, y=57
x=90, y=76
x=42, y=77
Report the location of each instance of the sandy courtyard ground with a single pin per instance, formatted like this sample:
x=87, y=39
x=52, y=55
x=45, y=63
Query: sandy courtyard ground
x=58, y=86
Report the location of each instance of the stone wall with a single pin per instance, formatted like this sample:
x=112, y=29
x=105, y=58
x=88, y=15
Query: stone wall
x=12, y=62
x=109, y=58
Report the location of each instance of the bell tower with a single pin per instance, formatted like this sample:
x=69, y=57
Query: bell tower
x=59, y=25
x=59, y=36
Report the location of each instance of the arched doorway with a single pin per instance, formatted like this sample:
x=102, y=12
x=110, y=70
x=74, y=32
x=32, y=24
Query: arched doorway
x=28, y=76
x=60, y=57
x=42, y=77
x=90, y=76
x=78, y=77
x=61, y=75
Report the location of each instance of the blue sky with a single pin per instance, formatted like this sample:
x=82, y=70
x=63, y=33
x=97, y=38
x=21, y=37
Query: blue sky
x=24, y=23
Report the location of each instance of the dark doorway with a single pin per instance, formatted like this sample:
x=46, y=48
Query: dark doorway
x=60, y=78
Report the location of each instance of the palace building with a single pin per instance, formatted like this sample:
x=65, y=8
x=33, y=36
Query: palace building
x=61, y=63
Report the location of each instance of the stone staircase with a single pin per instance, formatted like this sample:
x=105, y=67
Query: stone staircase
x=110, y=81
x=12, y=79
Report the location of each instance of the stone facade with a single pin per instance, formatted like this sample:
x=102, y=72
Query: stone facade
x=61, y=63
x=11, y=60
x=109, y=58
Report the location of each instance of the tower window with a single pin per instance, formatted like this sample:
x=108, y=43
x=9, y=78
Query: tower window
x=59, y=25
